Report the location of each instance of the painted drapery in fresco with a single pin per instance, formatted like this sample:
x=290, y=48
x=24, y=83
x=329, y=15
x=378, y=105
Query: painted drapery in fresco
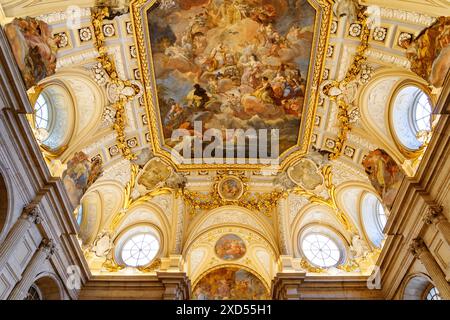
x=384, y=174
x=232, y=64
x=230, y=284
x=429, y=52
x=33, y=47
x=80, y=174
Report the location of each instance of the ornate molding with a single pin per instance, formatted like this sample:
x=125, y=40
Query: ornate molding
x=330, y=202
x=336, y=90
x=129, y=201
x=406, y=16
x=255, y=201
x=128, y=89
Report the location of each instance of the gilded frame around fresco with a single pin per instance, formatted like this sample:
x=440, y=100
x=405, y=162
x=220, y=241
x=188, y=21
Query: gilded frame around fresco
x=322, y=25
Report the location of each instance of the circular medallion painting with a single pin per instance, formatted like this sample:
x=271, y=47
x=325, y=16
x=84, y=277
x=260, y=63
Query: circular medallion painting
x=230, y=188
x=230, y=247
x=230, y=284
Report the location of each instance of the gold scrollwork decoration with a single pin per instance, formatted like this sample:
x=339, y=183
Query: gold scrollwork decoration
x=156, y=264
x=130, y=202
x=352, y=73
x=98, y=14
x=255, y=201
x=305, y=265
x=111, y=265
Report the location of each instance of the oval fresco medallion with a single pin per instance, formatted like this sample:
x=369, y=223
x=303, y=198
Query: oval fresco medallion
x=230, y=247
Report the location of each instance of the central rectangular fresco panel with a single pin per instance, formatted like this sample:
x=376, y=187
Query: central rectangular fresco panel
x=231, y=64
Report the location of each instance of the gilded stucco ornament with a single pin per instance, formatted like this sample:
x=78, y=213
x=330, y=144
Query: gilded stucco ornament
x=132, y=199
x=330, y=201
x=102, y=244
x=343, y=92
x=120, y=91
x=155, y=265
x=358, y=248
x=153, y=60
x=259, y=202
x=305, y=265
x=306, y=174
x=346, y=8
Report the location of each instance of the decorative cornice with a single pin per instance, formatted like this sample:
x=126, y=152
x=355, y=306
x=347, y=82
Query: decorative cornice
x=406, y=16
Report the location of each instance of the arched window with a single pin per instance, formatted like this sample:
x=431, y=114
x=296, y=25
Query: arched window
x=381, y=216
x=321, y=250
x=421, y=112
x=140, y=249
x=42, y=113
x=79, y=214
x=4, y=200
x=411, y=114
x=374, y=218
x=138, y=246
x=433, y=294
x=53, y=116
x=322, y=246
x=33, y=293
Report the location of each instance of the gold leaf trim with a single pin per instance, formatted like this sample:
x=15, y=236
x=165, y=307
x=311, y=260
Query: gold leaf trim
x=97, y=17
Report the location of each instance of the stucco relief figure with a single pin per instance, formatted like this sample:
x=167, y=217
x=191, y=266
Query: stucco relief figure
x=102, y=244
x=348, y=8
x=429, y=52
x=33, y=47
x=305, y=174
x=358, y=248
x=155, y=172
x=79, y=175
x=384, y=174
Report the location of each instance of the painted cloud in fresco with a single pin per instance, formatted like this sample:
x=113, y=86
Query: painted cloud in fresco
x=230, y=284
x=233, y=64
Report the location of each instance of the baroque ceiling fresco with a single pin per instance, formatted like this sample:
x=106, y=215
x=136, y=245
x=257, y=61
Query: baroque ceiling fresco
x=129, y=83
x=218, y=68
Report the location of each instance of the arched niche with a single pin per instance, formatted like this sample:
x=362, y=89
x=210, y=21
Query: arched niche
x=230, y=282
x=415, y=286
x=231, y=216
x=49, y=287
x=81, y=119
x=53, y=106
x=102, y=201
x=146, y=213
x=316, y=215
x=140, y=228
x=226, y=244
x=375, y=104
x=353, y=198
x=326, y=230
x=4, y=204
x=403, y=124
